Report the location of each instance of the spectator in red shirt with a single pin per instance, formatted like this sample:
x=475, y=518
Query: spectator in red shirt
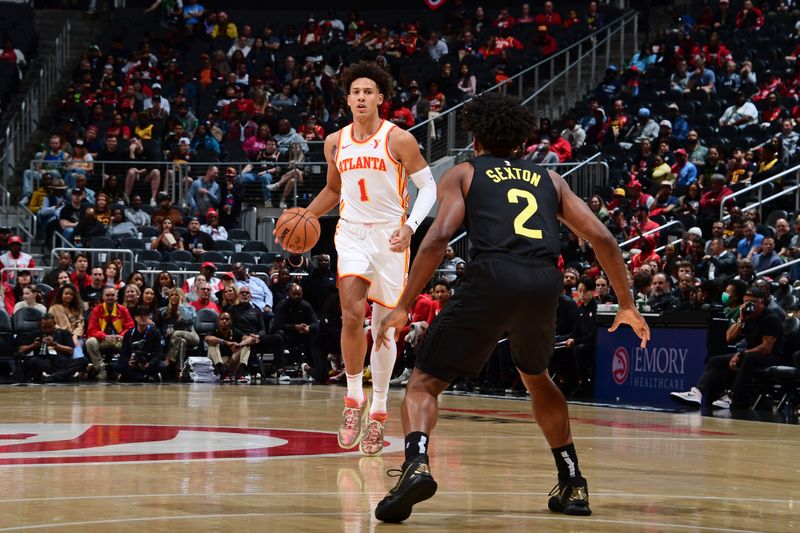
x=560, y=146
x=401, y=115
x=108, y=322
x=204, y=301
x=504, y=20
x=525, y=16
x=548, y=17
x=773, y=111
x=647, y=246
x=641, y=222
x=749, y=17
x=311, y=130
x=544, y=41
x=506, y=40
x=711, y=199
x=637, y=197
x=571, y=20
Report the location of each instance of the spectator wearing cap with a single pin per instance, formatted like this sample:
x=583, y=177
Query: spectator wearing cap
x=741, y=114
x=142, y=350
x=664, y=132
x=724, y=17
x=80, y=163
x=207, y=270
x=647, y=253
x=15, y=258
x=619, y=201
x=163, y=102
x=165, y=210
x=52, y=203
x=680, y=127
x=665, y=202
x=609, y=85
x=636, y=196
x=420, y=106
x=646, y=127
x=685, y=172
x=212, y=227
x=196, y=241
x=204, y=192
x=544, y=41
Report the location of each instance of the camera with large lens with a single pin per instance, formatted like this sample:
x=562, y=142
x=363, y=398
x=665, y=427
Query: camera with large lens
x=137, y=349
x=748, y=309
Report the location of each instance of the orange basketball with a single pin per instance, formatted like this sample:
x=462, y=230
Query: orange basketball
x=297, y=230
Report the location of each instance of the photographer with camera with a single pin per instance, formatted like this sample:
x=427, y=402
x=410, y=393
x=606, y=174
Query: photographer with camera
x=142, y=354
x=52, y=353
x=760, y=342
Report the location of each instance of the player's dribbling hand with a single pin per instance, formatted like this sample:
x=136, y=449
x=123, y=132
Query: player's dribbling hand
x=400, y=239
x=635, y=320
x=397, y=319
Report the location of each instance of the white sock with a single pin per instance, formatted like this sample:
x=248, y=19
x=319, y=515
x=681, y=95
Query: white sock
x=382, y=362
x=354, y=389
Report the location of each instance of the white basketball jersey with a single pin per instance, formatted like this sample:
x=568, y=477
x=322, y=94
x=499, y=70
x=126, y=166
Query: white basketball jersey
x=373, y=182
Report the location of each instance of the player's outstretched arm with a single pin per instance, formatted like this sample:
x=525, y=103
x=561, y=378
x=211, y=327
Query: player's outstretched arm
x=328, y=197
x=579, y=218
x=431, y=250
x=405, y=148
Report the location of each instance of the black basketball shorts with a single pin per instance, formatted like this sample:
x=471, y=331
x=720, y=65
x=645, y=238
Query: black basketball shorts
x=498, y=295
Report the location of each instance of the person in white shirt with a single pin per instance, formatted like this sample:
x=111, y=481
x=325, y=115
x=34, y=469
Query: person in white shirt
x=742, y=114
x=212, y=227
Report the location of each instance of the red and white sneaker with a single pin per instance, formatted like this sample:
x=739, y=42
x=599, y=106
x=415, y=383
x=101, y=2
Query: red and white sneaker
x=372, y=443
x=354, y=422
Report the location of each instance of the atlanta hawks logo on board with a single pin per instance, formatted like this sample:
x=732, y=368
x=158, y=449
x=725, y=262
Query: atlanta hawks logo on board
x=40, y=444
x=620, y=367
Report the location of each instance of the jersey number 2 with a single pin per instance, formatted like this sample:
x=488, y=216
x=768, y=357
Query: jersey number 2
x=514, y=196
x=362, y=186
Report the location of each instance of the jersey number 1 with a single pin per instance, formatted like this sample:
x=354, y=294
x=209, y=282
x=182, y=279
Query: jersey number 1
x=514, y=196
x=362, y=186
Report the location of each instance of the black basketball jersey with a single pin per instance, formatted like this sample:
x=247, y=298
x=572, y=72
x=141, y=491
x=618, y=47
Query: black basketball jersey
x=512, y=207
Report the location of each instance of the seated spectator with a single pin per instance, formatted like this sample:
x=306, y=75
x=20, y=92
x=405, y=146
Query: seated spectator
x=684, y=170
x=543, y=155
x=646, y=128
x=204, y=301
x=665, y=202
x=745, y=271
x=661, y=298
x=740, y=170
x=68, y=313
x=609, y=85
x=594, y=18
x=52, y=160
x=679, y=81
x=643, y=58
x=767, y=257
x=702, y=79
x=789, y=139
x=293, y=175
x=770, y=163
x=13, y=293
x=204, y=193
x=254, y=144
x=80, y=163
x=93, y=291
x=544, y=41
x=142, y=173
x=686, y=298
x=177, y=328
x=31, y=297
x=204, y=139
x=761, y=346
x=108, y=323
x=647, y=253
x=121, y=228
x=207, y=271
x=168, y=239
x=52, y=204
x=53, y=354
x=196, y=241
x=751, y=243
x=165, y=210
x=131, y=296
x=64, y=265
x=248, y=321
x=227, y=348
x=740, y=115
x=573, y=132
x=285, y=98
x=228, y=295
x=260, y=294
x=212, y=227
x=87, y=229
x=711, y=200
x=141, y=355
x=296, y=319
x=749, y=17
x=15, y=258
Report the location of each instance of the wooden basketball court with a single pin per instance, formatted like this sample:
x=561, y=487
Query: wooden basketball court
x=264, y=458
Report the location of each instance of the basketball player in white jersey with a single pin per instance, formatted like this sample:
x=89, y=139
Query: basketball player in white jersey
x=369, y=164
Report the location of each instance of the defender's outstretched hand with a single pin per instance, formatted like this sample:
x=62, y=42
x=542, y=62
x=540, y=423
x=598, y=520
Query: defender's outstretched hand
x=397, y=319
x=635, y=320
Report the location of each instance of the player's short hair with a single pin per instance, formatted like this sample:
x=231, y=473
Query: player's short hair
x=499, y=123
x=369, y=70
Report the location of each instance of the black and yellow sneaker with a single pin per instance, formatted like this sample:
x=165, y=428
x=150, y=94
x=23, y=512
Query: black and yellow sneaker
x=570, y=498
x=416, y=484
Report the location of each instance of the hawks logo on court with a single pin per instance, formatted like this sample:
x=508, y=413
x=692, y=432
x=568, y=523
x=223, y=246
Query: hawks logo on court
x=38, y=444
x=619, y=366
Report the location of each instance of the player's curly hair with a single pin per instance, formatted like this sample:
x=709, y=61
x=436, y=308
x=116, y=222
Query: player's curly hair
x=499, y=123
x=372, y=71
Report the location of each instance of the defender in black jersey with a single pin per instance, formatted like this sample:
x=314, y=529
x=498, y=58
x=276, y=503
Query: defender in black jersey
x=512, y=209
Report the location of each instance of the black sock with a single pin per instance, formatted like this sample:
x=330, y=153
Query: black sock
x=566, y=462
x=417, y=444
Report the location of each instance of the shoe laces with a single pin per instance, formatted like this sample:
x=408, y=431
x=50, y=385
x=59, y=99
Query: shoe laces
x=394, y=472
x=555, y=490
x=351, y=416
x=374, y=431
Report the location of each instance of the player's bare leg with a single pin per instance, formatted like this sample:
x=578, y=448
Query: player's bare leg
x=353, y=296
x=571, y=495
x=420, y=413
